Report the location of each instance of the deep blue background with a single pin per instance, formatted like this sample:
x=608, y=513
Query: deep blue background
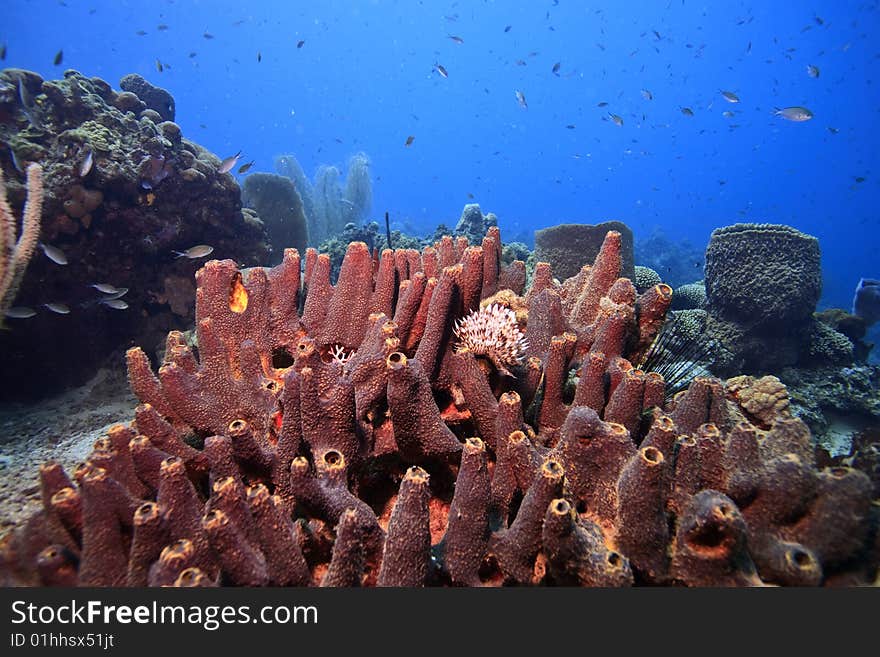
x=364, y=80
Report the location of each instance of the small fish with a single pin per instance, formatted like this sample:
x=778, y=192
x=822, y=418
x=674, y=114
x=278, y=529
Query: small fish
x=795, y=113
x=410, y=140
x=507, y=28
x=59, y=56
x=20, y=312
x=87, y=163
x=116, y=304
x=687, y=111
x=456, y=39
x=602, y=104
x=300, y=44
x=107, y=288
x=193, y=54
x=812, y=71
x=866, y=303
x=833, y=131
x=860, y=179
x=618, y=120
x=259, y=57
x=159, y=66
x=60, y=308
x=141, y=33
x=570, y=126
x=3, y=52
x=227, y=164
x=54, y=254
x=647, y=95
x=442, y=71
x=244, y=168
x=555, y=69
x=521, y=99
x=15, y=161
x=727, y=114
x=208, y=35
x=730, y=97
x=193, y=252
x=162, y=27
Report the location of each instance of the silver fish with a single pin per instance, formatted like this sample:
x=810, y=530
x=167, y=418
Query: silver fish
x=106, y=288
x=54, y=254
x=730, y=97
x=227, y=164
x=199, y=251
x=618, y=120
x=60, y=308
x=812, y=71
x=117, y=295
x=795, y=113
x=87, y=163
x=727, y=114
x=27, y=105
x=15, y=161
x=521, y=99
x=647, y=95
x=116, y=304
x=20, y=312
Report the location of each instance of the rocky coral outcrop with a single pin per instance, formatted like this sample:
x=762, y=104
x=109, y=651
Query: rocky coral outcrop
x=148, y=192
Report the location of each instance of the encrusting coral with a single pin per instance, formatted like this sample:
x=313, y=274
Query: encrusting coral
x=341, y=436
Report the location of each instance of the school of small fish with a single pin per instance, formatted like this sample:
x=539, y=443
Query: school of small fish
x=85, y=161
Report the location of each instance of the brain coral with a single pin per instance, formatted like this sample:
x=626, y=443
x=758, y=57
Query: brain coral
x=760, y=274
x=689, y=296
x=645, y=277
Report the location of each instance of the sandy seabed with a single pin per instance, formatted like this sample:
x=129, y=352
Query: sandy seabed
x=61, y=428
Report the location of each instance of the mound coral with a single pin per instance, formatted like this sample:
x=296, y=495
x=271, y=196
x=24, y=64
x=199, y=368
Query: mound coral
x=123, y=188
x=265, y=459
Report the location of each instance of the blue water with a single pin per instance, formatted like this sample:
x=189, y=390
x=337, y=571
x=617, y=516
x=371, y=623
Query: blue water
x=365, y=80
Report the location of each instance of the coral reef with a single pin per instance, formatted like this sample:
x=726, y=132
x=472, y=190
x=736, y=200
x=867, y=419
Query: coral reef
x=567, y=246
x=155, y=98
x=852, y=326
x=835, y=401
x=279, y=206
x=357, y=442
x=371, y=234
x=473, y=225
x=123, y=189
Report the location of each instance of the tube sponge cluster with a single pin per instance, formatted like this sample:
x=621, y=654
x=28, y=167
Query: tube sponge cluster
x=328, y=203
x=342, y=436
